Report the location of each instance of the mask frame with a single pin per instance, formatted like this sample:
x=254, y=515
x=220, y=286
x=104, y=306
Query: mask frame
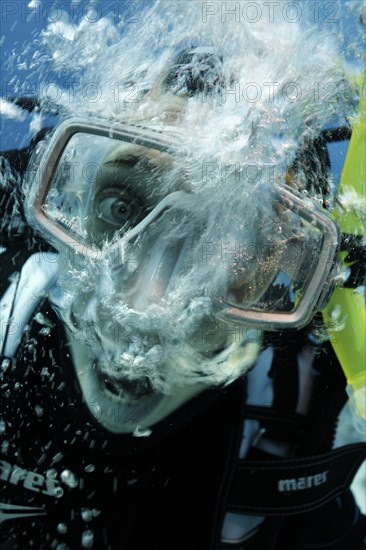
x=46, y=157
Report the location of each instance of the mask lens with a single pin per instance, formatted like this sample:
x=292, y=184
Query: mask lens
x=102, y=187
x=289, y=267
x=284, y=268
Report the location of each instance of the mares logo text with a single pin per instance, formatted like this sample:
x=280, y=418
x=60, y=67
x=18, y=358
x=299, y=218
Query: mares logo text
x=30, y=480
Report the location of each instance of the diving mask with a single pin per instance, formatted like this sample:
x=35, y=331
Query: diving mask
x=119, y=191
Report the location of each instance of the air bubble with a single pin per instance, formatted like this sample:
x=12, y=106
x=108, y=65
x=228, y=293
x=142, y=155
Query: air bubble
x=5, y=364
x=87, y=514
x=141, y=432
x=57, y=457
x=45, y=331
x=57, y=492
x=39, y=410
x=132, y=481
x=2, y=426
x=87, y=539
x=69, y=479
x=43, y=320
x=62, y=528
x=336, y=313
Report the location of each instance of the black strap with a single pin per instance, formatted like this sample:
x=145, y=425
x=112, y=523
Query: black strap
x=284, y=426
x=286, y=487
x=285, y=375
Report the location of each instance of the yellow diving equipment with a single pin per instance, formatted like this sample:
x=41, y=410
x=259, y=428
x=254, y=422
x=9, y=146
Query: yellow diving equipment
x=347, y=305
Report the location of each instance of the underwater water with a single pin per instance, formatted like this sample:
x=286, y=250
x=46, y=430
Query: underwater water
x=279, y=75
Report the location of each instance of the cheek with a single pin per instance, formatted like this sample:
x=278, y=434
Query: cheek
x=213, y=336
x=99, y=231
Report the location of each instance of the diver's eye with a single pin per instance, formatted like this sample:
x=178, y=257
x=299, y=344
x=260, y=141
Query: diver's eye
x=117, y=207
x=114, y=210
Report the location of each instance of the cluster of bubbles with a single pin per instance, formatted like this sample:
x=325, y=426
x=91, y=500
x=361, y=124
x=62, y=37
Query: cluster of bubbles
x=266, y=94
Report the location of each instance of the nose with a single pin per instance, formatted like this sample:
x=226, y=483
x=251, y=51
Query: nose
x=156, y=274
x=160, y=254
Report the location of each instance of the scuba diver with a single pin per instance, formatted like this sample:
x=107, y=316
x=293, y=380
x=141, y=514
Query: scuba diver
x=111, y=437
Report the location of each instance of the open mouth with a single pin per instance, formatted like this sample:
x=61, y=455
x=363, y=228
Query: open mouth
x=133, y=390
x=123, y=387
